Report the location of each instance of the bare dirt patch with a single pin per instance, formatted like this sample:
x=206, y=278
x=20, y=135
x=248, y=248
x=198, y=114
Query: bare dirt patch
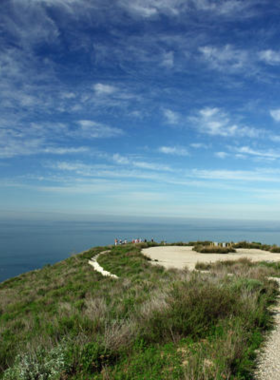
x=180, y=257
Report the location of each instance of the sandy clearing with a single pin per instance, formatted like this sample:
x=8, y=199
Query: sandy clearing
x=180, y=257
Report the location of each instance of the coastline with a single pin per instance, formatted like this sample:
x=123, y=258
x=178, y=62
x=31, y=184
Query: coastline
x=29, y=245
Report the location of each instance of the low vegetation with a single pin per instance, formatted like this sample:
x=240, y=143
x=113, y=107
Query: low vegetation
x=256, y=245
x=213, y=249
x=210, y=247
x=192, y=243
x=66, y=321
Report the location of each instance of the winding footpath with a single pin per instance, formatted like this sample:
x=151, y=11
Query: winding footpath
x=93, y=262
x=268, y=366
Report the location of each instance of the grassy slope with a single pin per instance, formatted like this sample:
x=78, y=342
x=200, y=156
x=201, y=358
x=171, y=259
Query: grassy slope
x=66, y=321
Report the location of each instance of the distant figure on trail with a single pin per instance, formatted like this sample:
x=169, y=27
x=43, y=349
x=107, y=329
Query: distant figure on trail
x=116, y=241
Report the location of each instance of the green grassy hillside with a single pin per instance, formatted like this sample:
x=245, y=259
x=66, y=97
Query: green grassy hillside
x=67, y=321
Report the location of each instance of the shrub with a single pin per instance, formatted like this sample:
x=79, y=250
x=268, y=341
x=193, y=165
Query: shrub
x=43, y=365
x=190, y=309
x=203, y=266
x=253, y=245
x=202, y=243
x=95, y=356
x=275, y=249
x=213, y=249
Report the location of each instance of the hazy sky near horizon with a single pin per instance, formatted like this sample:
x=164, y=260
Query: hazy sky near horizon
x=140, y=107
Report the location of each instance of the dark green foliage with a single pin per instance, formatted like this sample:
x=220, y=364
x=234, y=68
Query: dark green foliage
x=95, y=356
x=203, y=266
x=151, y=363
x=213, y=249
x=252, y=245
x=275, y=249
x=191, y=243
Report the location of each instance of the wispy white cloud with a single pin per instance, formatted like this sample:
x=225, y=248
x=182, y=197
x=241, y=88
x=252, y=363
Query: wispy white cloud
x=275, y=114
x=167, y=60
x=152, y=8
x=68, y=150
x=126, y=160
x=238, y=175
x=173, y=8
x=107, y=96
x=92, y=129
x=145, y=11
x=241, y=156
x=45, y=138
x=82, y=169
x=104, y=89
x=199, y=146
x=151, y=166
x=270, y=57
x=174, y=150
x=119, y=159
x=117, y=68
x=268, y=154
x=229, y=59
x=221, y=154
x=214, y=121
x=125, y=170
x=68, y=95
x=246, y=152
x=30, y=27
x=171, y=117
x=228, y=180
x=225, y=8
x=20, y=143
x=15, y=147
x=226, y=58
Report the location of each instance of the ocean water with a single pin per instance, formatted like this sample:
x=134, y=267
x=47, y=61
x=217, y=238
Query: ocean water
x=27, y=245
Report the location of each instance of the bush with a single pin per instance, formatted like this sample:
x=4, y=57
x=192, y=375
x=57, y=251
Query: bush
x=43, y=365
x=190, y=310
x=275, y=249
x=213, y=249
x=253, y=245
x=95, y=357
x=203, y=266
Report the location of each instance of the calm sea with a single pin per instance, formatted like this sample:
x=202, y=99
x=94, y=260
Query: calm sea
x=25, y=246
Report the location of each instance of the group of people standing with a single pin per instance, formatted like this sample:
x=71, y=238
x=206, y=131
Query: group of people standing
x=134, y=241
x=120, y=241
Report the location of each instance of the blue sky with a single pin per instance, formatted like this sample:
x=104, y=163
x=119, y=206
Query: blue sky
x=140, y=108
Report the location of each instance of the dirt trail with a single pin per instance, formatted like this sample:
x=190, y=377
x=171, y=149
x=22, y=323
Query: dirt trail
x=93, y=262
x=268, y=364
